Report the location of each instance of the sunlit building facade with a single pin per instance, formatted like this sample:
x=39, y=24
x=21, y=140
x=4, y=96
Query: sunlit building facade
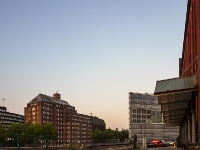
x=71, y=126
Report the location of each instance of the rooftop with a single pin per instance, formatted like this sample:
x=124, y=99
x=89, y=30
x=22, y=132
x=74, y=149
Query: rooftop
x=48, y=99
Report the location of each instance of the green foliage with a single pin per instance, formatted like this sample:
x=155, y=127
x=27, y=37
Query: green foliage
x=28, y=133
x=109, y=135
x=124, y=135
x=2, y=129
x=16, y=128
x=49, y=130
x=31, y=131
x=97, y=135
x=117, y=134
x=2, y=132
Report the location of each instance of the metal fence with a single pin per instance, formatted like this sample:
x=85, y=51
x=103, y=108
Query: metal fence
x=16, y=141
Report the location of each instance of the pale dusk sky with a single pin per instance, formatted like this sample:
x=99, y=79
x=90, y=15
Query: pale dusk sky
x=94, y=52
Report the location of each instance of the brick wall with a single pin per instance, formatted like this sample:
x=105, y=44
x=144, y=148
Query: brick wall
x=191, y=48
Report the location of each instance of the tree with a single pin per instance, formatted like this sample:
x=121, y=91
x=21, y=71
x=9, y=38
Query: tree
x=2, y=132
x=14, y=132
x=123, y=135
x=49, y=131
x=27, y=133
x=116, y=134
x=97, y=135
x=31, y=131
x=108, y=135
x=16, y=128
x=2, y=129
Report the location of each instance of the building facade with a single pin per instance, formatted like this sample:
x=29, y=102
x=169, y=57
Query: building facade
x=8, y=118
x=145, y=119
x=180, y=97
x=71, y=126
x=97, y=123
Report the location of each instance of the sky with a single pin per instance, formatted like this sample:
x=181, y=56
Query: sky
x=93, y=52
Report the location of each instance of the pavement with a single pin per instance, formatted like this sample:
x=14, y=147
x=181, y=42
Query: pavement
x=165, y=148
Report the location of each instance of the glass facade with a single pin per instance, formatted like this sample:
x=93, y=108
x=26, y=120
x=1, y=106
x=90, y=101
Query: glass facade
x=144, y=109
x=145, y=119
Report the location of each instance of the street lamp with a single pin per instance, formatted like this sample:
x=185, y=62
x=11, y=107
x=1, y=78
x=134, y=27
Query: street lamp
x=46, y=143
x=18, y=146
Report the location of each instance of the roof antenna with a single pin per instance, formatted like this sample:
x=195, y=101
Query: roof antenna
x=57, y=90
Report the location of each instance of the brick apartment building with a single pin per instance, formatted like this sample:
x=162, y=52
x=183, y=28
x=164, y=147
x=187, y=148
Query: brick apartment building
x=97, y=123
x=180, y=97
x=71, y=126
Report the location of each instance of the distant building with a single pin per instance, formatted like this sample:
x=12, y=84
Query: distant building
x=97, y=123
x=145, y=119
x=7, y=118
x=72, y=127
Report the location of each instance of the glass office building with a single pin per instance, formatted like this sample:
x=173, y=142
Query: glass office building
x=145, y=119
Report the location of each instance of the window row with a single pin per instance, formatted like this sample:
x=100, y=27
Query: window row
x=143, y=96
x=47, y=104
x=10, y=115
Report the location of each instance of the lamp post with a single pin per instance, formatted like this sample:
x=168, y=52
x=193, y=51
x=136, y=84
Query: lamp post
x=18, y=146
x=35, y=143
x=46, y=143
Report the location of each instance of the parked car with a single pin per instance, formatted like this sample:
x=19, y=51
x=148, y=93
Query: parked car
x=171, y=143
x=164, y=143
x=158, y=143
x=151, y=145
x=167, y=143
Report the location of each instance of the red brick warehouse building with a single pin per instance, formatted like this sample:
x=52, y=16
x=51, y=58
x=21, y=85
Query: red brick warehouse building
x=180, y=97
x=71, y=126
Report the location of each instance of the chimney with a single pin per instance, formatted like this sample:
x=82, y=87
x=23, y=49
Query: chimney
x=56, y=95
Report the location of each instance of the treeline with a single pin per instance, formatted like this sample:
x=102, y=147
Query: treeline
x=109, y=135
x=29, y=134
x=26, y=134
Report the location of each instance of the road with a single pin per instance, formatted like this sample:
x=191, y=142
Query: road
x=163, y=148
